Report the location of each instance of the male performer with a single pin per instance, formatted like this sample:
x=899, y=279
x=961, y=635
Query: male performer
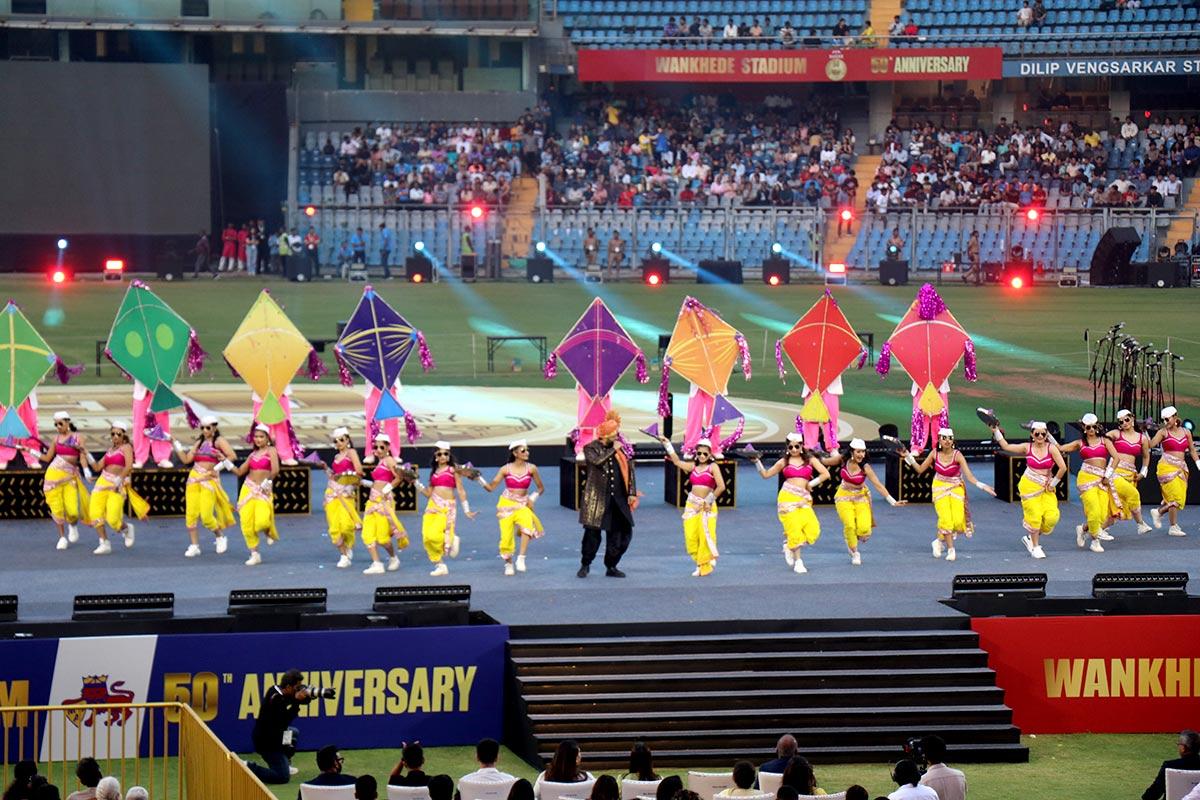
x=609, y=498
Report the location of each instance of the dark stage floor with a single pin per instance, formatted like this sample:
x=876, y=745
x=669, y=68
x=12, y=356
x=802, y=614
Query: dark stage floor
x=898, y=577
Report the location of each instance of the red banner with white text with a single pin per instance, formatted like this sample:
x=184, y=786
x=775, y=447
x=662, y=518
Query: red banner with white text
x=1096, y=674
x=791, y=66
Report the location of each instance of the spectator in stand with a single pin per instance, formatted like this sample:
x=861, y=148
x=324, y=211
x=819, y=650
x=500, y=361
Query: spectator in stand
x=521, y=790
x=366, y=788
x=1154, y=198
x=813, y=40
x=137, y=793
x=785, y=750
x=88, y=773
x=706, y=30
x=950, y=784
x=896, y=29
x=564, y=768
x=22, y=786
x=670, y=30
x=787, y=793
x=605, y=788
x=668, y=787
x=487, y=754
x=907, y=776
x=743, y=781
x=1188, y=745
x=857, y=792
x=911, y=30
x=787, y=34
x=412, y=758
x=756, y=30
x=441, y=787
x=358, y=244
x=641, y=764
x=312, y=245
x=203, y=253
x=1025, y=14
x=799, y=775
x=329, y=762
x=731, y=29
x=1039, y=12
x=867, y=37
x=109, y=788
x=1129, y=132
x=841, y=31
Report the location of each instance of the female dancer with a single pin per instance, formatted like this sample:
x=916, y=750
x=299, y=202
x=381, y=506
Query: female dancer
x=852, y=499
x=515, y=506
x=437, y=526
x=793, y=504
x=1172, y=469
x=700, y=511
x=256, y=503
x=66, y=493
x=206, y=501
x=1039, y=505
x=341, y=496
x=112, y=488
x=949, y=491
x=1096, y=493
x=1129, y=443
x=380, y=525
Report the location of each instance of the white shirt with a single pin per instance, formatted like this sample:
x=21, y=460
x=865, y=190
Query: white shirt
x=1194, y=794
x=1129, y=130
x=910, y=792
x=731, y=31
x=488, y=775
x=950, y=784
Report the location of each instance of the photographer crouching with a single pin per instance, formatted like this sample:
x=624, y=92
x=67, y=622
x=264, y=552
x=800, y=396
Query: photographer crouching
x=273, y=737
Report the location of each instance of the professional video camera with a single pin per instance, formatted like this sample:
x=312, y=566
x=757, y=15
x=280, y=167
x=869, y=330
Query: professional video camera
x=328, y=693
x=915, y=751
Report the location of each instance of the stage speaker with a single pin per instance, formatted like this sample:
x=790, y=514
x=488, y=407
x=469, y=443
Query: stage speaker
x=418, y=266
x=154, y=605
x=1026, y=585
x=719, y=272
x=277, y=601
x=1163, y=275
x=8, y=608
x=1139, y=584
x=391, y=598
x=466, y=268
x=539, y=270
x=1110, y=260
x=656, y=272
x=1018, y=269
x=893, y=273
x=299, y=268
x=905, y=483
x=992, y=271
x=778, y=268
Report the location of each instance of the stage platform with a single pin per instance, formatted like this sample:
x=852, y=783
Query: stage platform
x=898, y=577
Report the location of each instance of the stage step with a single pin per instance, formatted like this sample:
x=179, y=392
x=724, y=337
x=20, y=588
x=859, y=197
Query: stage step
x=707, y=698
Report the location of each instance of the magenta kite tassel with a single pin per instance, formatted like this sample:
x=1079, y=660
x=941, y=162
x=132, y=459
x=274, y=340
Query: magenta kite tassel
x=917, y=432
x=744, y=352
x=969, y=365
x=195, y=354
x=885, y=359
x=799, y=424
x=294, y=439
x=250, y=434
x=574, y=436
x=374, y=428
x=862, y=359
x=64, y=372
x=423, y=353
x=929, y=302
x=410, y=429
x=625, y=445
x=779, y=360
x=124, y=374
x=344, y=376
x=231, y=369
x=550, y=368
x=193, y=419
x=148, y=421
x=642, y=374
x=316, y=367
x=732, y=438
x=664, y=408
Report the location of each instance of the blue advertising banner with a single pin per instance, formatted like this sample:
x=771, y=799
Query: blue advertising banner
x=441, y=686
x=1139, y=66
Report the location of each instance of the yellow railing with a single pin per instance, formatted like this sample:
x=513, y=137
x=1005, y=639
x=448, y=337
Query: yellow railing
x=181, y=758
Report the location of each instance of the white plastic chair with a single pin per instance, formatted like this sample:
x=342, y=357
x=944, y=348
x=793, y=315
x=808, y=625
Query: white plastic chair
x=838, y=796
x=566, y=791
x=770, y=782
x=408, y=792
x=309, y=792
x=481, y=790
x=630, y=790
x=707, y=784
x=1180, y=782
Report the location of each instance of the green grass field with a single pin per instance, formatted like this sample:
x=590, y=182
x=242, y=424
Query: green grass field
x=1033, y=361
x=1108, y=767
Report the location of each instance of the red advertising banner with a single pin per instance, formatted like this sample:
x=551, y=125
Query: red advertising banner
x=1096, y=674
x=791, y=66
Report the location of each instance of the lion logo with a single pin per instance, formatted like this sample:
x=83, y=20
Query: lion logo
x=96, y=691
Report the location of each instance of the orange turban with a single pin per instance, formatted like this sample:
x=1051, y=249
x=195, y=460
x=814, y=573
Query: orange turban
x=610, y=426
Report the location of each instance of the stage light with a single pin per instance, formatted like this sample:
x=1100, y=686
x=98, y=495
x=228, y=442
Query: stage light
x=654, y=279
x=1189, y=425
x=62, y=244
x=114, y=269
x=656, y=247
x=1032, y=215
x=773, y=280
x=540, y=247
x=777, y=248
x=58, y=276
x=417, y=277
x=893, y=250
x=847, y=215
x=419, y=246
x=310, y=211
x=837, y=268
x=1146, y=114
x=477, y=211
x=1017, y=283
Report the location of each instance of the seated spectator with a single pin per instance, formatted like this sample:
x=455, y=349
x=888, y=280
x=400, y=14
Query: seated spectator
x=605, y=788
x=670, y=30
x=22, y=786
x=487, y=755
x=1039, y=12
x=44, y=790
x=787, y=34
x=911, y=30
x=813, y=40
x=857, y=792
x=88, y=773
x=521, y=790
x=950, y=784
x=329, y=762
x=841, y=31
x=787, y=793
x=137, y=793
x=896, y=28
x=366, y=788
x=109, y=788
x=743, y=781
x=756, y=30
x=907, y=776
x=641, y=764
x=564, y=767
x=1188, y=746
x=412, y=758
x=785, y=750
x=668, y=787
x=731, y=29
x=799, y=775
x=867, y=37
x=441, y=787
x=1025, y=15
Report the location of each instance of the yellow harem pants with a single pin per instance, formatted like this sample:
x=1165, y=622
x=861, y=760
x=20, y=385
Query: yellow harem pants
x=107, y=503
x=700, y=533
x=256, y=509
x=795, y=511
x=1039, y=506
x=67, y=496
x=516, y=516
x=1172, y=478
x=206, y=502
x=1125, y=482
x=437, y=527
x=950, y=504
x=380, y=525
x=1099, y=505
x=853, y=504
x=341, y=512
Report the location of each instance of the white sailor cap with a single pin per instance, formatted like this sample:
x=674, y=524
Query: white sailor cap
x=1123, y=413
x=119, y=424
x=1089, y=419
x=263, y=428
x=1037, y=425
x=208, y=419
x=513, y=445
x=947, y=432
x=858, y=444
x=1169, y=412
x=441, y=444
x=704, y=443
x=60, y=416
x=338, y=433
x=795, y=437
x=382, y=438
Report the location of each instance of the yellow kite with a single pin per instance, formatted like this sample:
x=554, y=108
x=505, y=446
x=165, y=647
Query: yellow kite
x=266, y=351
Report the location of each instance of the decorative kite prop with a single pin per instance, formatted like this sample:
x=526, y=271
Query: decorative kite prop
x=597, y=351
x=150, y=342
x=25, y=358
x=821, y=346
x=376, y=343
x=703, y=349
x=266, y=351
x=928, y=342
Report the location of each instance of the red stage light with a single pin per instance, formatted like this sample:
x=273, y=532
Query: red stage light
x=773, y=280
x=58, y=276
x=1016, y=283
x=837, y=268
x=114, y=265
x=654, y=279
x=310, y=211
x=847, y=215
x=1146, y=114
x=476, y=212
x=417, y=277
x=1032, y=215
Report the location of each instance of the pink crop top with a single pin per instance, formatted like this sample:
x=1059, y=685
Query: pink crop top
x=518, y=482
x=342, y=466
x=1033, y=462
x=793, y=471
x=950, y=470
x=67, y=448
x=853, y=480
x=704, y=478
x=1172, y=444
x=262, y=463
x=444, y=479
x=114, y=458
x=382, y=473
x=205, y=452
x=1093, y=451
x=1128, y=448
